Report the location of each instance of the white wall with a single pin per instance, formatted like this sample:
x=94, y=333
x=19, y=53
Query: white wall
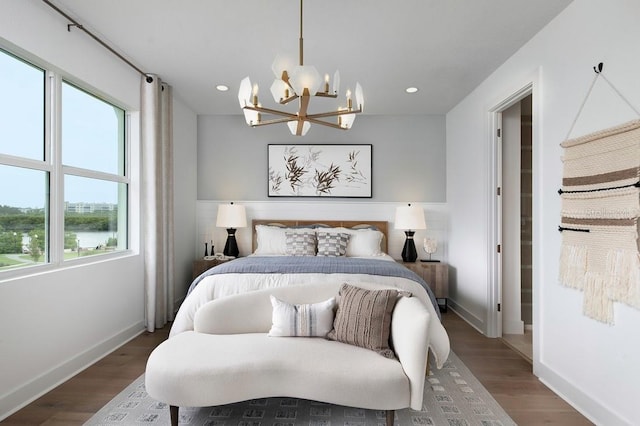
x=408, y=155
x=594, y=366
x=54, y=323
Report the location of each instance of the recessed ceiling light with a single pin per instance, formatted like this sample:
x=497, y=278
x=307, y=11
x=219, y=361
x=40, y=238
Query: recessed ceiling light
x=222, y=87
x=411, y=89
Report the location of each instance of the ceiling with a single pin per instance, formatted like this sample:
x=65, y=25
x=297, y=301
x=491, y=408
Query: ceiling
x=443, y=47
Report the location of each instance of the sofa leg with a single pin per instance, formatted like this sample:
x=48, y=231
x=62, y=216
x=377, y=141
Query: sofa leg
x=173, y=410
x=390, y=417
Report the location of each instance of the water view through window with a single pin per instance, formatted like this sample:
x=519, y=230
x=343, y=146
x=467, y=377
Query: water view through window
x=80, y=176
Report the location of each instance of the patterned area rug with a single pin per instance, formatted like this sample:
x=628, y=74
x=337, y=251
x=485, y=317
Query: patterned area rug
x=453, y=397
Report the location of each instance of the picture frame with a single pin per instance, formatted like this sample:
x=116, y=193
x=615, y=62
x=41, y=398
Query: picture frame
x=320, y=170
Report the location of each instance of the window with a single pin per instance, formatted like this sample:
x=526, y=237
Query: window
x=63, y=180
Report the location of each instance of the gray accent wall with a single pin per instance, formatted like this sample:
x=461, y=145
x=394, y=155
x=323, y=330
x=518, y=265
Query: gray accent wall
x=408, y=156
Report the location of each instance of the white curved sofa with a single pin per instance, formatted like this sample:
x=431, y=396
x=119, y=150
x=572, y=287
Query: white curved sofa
x=230, y=358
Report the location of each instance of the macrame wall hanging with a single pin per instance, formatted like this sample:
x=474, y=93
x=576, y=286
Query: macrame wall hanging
x=600, y=208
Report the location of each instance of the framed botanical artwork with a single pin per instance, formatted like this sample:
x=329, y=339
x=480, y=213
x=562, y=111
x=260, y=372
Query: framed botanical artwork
x=319, y=170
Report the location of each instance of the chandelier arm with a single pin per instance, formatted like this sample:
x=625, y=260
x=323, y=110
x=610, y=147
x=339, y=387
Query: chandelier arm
x=334, y=113
x=275, y=121
x=325, y=123
x=270, y=111
x=289, y=99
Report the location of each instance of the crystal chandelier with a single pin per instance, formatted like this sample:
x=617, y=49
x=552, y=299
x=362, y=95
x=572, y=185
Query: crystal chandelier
x=299, y=82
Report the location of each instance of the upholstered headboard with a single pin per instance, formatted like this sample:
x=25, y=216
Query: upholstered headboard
x=381, y=226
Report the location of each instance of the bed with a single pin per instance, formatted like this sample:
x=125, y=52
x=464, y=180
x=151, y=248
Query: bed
x=298, y=253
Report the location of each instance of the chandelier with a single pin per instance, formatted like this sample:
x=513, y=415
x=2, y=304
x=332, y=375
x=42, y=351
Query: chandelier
x=299, y=82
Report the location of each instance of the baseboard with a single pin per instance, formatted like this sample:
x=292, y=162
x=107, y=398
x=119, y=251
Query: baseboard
x=589, y=407
x=467, y=316
x=27, y=393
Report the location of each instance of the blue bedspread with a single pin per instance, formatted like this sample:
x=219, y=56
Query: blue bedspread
x=315, y=264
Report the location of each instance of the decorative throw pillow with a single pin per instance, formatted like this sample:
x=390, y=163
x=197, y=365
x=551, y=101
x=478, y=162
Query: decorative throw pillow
x=330, y=244
x=311, y=320
x=272, y=240
x=300, y=243
x=364, y=318
x=364, y=243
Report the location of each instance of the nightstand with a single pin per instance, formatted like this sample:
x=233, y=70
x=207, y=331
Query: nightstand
x=201, y=265
x=436, y=274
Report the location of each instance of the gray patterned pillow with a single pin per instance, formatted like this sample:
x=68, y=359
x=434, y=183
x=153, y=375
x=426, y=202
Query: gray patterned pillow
x=330, y=244
x=364, y=318
x=300, y=243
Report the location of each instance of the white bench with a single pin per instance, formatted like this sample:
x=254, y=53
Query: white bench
x=230, y=358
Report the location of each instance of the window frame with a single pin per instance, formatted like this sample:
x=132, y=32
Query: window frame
x=52, y=164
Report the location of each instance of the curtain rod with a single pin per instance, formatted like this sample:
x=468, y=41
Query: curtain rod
x=106, y=46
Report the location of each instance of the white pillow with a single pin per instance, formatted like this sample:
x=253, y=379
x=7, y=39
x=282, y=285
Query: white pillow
x=272, y=240
x=364, y=243
x=310, y=320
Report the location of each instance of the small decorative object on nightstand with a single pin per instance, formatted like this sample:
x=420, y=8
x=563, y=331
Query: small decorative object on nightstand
x=430, y=246
x=409, y=218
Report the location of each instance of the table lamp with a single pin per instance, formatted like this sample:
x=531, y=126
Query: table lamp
x=409, y=218
x=231, y=216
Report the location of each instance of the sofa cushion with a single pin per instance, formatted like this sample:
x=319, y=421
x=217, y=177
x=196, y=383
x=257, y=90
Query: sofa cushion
x=304, y=320
x=364, y=318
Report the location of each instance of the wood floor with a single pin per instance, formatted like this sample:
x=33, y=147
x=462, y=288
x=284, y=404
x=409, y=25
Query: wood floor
x=502, y=371
x=521, y=343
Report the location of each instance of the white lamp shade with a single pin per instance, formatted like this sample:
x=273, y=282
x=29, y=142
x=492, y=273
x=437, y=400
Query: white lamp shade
x=244, y=93
x=293, y=127
x=231, y=216
x=336, y=82
x=346, y=120
x=250, y=116
x=282, y=63
x=410, y=217
x=359, y=97
x=305, y=77
x=278, y=89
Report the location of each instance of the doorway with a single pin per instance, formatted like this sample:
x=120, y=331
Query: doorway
x=512, y=271
x=517, y=227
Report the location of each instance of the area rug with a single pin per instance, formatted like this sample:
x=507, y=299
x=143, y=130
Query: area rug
x=453, y=397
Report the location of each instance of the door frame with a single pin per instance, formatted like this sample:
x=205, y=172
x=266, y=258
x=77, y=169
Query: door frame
x=494, y=295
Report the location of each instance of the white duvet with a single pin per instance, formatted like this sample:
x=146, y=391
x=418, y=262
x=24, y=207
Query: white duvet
x=220, y=285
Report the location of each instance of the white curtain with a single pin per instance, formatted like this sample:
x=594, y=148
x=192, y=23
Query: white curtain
x=157, y=200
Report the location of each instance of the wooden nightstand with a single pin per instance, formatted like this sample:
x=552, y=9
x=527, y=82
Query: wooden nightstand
x=201, y=265
x=436, y=274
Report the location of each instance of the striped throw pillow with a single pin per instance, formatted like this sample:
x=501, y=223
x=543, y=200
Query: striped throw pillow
x=364, y=318
x=310, y=320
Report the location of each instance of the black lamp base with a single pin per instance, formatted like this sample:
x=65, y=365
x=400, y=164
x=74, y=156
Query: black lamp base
x=231, y=246
x=409, y=253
